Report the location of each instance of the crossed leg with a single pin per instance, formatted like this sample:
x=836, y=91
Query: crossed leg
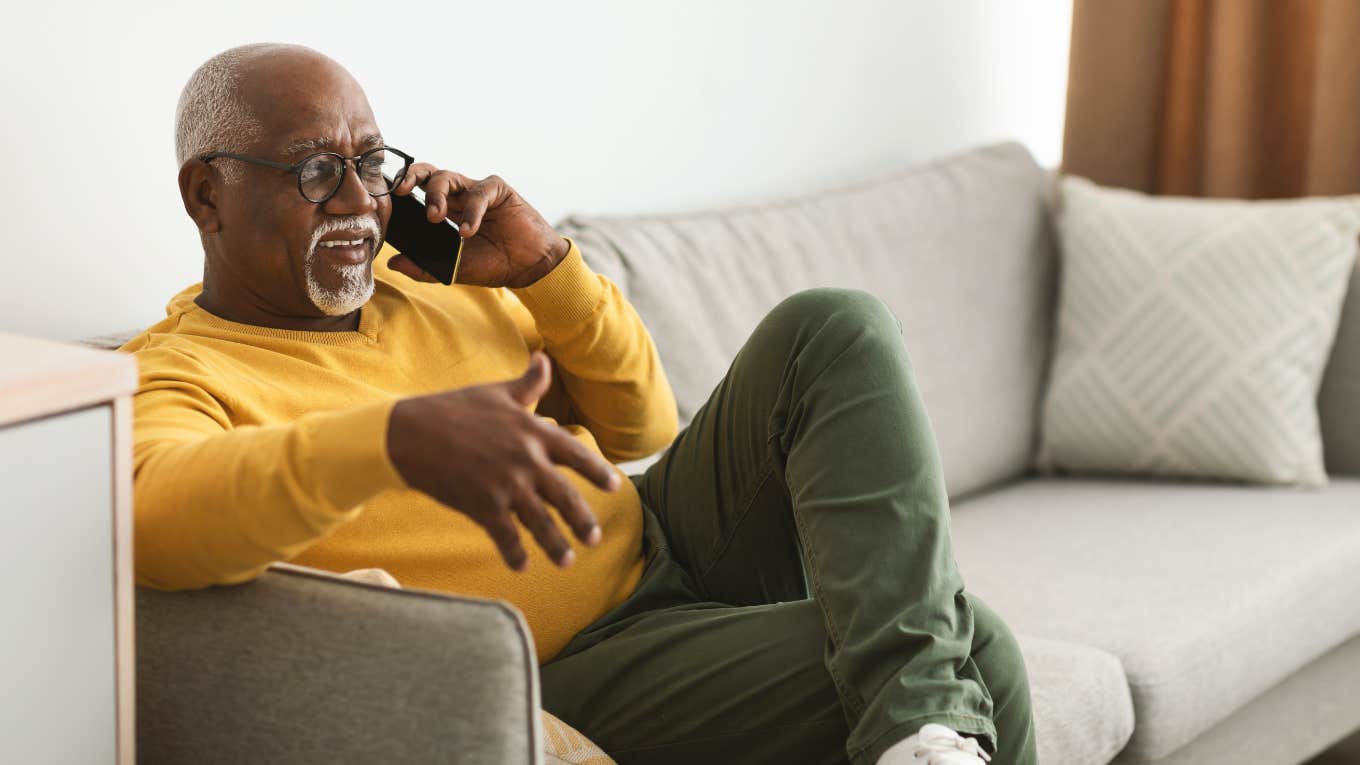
x=801, y=602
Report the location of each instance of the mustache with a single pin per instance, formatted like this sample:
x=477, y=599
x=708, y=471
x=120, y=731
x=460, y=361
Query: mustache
x=368, y=224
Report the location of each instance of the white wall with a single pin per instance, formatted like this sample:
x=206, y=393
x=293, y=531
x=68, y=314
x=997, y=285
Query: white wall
x=595, y=106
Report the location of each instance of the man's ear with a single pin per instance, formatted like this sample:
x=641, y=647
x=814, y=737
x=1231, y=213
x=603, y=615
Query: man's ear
x=200, y=189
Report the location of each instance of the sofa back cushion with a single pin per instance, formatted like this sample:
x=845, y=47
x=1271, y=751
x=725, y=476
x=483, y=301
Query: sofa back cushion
x=960, y=249
x=1339, y=397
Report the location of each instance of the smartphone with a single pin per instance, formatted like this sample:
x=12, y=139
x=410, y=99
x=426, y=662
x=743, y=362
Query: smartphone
x=435, y=247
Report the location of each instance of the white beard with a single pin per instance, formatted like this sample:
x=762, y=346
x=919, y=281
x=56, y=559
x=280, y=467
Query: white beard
x=356, y=287
x=356, y=279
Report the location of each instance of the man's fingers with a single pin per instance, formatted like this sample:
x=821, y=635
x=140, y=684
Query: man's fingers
x=530, y=386
x=490, y=192
x=535, y=517
x=446, y=190
x=567, y=451
x=416, y=174
x=502, y=529
x=559, y=492
x=438, y=188
x=405, y=265
x=436, y=200
x=474, y=207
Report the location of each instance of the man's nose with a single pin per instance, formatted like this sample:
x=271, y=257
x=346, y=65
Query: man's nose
x=351, y=198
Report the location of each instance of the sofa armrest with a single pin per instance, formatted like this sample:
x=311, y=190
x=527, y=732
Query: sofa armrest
x=303, y=666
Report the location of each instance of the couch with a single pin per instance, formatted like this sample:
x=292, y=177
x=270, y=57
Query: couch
x=1162, y=621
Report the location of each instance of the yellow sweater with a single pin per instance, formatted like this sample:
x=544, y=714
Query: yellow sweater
x=252, y=445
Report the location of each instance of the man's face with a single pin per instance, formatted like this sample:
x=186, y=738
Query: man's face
x=294, y=254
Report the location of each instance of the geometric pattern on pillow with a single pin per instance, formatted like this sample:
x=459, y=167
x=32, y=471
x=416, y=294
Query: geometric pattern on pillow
x=565, y=744
x=1192, y=334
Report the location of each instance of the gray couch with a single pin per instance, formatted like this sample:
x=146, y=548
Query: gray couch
x=305, y=666
x=1161, y=621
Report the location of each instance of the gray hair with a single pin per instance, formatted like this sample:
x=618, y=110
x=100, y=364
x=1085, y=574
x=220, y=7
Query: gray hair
x=212, y=115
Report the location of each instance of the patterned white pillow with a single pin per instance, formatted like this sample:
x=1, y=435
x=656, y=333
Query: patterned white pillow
x=1192, y=334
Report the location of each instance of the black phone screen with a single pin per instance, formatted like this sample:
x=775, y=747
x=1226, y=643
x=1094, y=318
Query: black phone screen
x=435, y=247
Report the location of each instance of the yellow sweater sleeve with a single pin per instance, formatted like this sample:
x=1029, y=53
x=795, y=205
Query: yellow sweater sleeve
x=215, y=504
x=603, y=356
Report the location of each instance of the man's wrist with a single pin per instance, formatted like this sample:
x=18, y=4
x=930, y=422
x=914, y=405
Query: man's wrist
x=557, y=251
x=566, y=295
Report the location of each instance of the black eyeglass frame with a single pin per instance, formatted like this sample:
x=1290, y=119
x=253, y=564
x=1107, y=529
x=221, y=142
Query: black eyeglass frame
x=296, y=168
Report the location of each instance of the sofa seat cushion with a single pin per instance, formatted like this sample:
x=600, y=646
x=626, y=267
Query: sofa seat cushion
x=1082, y=711
x=1209, y=594
x=960, y=249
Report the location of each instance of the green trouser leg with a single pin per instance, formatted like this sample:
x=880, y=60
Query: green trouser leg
x=812, y=470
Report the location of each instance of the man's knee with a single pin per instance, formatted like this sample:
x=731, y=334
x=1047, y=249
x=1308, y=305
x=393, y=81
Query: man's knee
x=836, y=315
x=821, y=304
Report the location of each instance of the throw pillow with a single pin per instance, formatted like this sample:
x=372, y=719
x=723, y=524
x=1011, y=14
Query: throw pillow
x=1192, y=334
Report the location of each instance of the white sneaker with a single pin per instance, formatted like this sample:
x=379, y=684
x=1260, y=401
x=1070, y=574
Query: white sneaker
x=935, y=744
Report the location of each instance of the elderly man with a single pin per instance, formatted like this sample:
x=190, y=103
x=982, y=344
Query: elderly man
x=779, y=587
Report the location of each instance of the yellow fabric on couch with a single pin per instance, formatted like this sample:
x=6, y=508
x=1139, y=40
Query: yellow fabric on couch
x=565, y=744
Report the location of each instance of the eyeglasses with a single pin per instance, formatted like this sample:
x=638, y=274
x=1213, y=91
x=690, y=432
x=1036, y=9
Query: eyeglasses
x=320, y=175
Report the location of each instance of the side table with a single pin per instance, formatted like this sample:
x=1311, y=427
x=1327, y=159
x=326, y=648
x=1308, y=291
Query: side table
x=66, y=571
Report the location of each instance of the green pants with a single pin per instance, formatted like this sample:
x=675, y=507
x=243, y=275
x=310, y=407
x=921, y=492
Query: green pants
x=800, y=602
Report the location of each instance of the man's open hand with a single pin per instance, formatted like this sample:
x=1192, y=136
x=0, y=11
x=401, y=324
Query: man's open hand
x=479, y=450
x=506, y=242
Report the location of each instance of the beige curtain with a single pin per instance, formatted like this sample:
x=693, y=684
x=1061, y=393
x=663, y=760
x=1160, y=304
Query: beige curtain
x=1220, y=98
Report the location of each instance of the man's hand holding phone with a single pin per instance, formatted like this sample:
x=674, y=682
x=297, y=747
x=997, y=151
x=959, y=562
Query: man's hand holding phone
x=479, y=450
x=507, y=243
